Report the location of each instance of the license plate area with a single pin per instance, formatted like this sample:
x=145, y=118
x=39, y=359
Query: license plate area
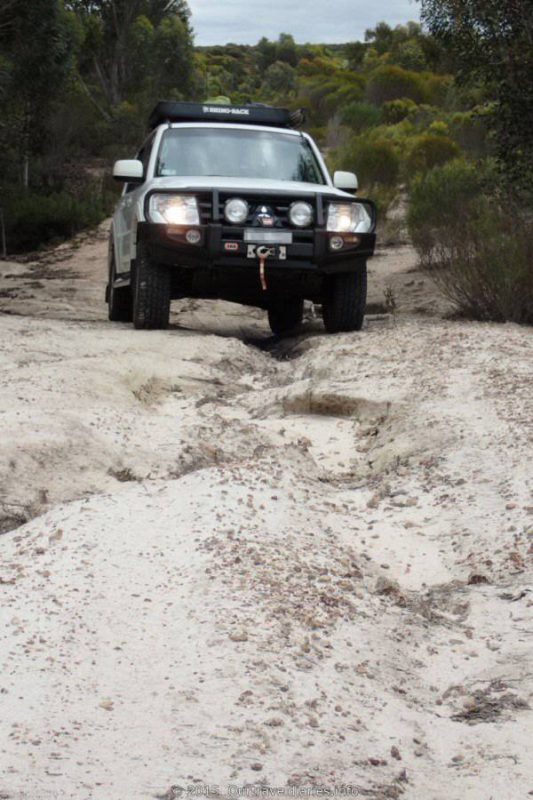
x=267, y=237
x=274, y=252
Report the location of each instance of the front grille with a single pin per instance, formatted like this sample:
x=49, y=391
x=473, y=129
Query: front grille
x=206, y=209
x=279, y=205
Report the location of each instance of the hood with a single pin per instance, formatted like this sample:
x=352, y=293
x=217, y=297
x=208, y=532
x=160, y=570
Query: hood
x=245, y=184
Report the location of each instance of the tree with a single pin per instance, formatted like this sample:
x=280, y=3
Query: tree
x=265, y=53
x=355, y=53
x=286, y=49
x=113, y=30
x=36, y=48
x=280, y=79
x=493, y=44
x=380, y=37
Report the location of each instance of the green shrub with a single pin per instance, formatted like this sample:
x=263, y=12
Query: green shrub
x=485, y=267
x=396, y=110
x=431, y=150
x=470, y=131
x=374, y=161
x=478, y=247
x=394, y=83
x=360, y=116
x=438, y=198
x=35, y=219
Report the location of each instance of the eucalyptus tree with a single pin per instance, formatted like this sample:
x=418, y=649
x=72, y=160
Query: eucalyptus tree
x=493, y=43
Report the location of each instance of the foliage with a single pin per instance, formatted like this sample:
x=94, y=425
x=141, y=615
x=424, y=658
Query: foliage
x=493, y=44
x=431, y=150
x=158, y=32
x=390, y=82
x=374, y=161
x=33, y=219
x=477, y=243
x=33, y=68
x=395, y=110
x=359, y=115
x=441, y=196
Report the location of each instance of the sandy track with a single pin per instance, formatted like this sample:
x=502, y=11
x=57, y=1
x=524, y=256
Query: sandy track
x=292, y=564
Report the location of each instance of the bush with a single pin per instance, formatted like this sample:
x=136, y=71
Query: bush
x=394, y=83
x=486, y=266
x=374, y=161
x=396, y=110
x=438, y=199
x=478, y=247
x=360, y=116
x=35, y=219
x=431, y=150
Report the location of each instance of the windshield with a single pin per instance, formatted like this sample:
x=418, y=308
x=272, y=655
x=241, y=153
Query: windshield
x=237, y=154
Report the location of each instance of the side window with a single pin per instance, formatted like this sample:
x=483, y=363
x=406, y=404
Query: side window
x=143, y=155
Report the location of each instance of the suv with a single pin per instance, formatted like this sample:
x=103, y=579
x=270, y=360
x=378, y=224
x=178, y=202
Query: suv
x=234, y=203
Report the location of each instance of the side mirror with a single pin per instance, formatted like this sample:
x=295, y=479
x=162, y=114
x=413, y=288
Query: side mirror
x=129, y=171
x=346, y=181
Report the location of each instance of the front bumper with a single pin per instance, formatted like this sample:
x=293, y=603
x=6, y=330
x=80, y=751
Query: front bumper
x=223, y=246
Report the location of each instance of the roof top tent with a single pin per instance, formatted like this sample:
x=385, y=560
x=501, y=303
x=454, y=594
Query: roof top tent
x=251, y=114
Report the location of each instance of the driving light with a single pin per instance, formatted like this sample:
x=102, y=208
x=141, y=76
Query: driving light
x=236, y=211
x=336, y=243
x=174, y=209
x=193, y=237
x=301, y=214
x=348, y=218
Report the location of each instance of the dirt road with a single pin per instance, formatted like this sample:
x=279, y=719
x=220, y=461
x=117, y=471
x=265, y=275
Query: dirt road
x=256, y=563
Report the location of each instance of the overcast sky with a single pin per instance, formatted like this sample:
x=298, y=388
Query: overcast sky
x=246, y=21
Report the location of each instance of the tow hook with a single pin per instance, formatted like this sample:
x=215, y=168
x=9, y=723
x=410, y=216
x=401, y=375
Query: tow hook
x=262, y=254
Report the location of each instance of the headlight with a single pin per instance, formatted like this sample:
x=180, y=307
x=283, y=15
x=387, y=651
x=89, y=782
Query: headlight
x=174, y=209
x=301, y=214
x=348, y=218
x=236, y=211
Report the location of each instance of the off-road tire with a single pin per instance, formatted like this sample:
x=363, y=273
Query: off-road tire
x=119, y=301
x=344, y=301
x=285, y=314
x=151, y=293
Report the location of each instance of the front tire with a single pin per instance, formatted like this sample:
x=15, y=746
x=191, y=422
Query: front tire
x=151, y=293
x=344, y=301
x=285, y=314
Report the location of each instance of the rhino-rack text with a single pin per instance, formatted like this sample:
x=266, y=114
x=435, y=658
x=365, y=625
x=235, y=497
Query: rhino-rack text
x=244, y=112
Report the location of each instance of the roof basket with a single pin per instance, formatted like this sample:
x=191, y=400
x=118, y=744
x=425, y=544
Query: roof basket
x=250, y=114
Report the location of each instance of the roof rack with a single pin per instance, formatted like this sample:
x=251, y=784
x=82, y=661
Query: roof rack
x=250, y=114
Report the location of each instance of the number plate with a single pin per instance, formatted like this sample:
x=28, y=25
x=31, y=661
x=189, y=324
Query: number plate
x=267, y=237
x=275, y=252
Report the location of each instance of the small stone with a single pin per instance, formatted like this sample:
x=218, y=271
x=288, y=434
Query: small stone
x=475, y=579
x=239, y=636
x=107, y=705
x=395, y=753
x=256, y=766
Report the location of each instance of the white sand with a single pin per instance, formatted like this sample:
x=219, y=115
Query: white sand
x=301, y=566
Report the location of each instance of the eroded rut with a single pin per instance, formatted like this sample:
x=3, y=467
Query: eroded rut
x=258, y=563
